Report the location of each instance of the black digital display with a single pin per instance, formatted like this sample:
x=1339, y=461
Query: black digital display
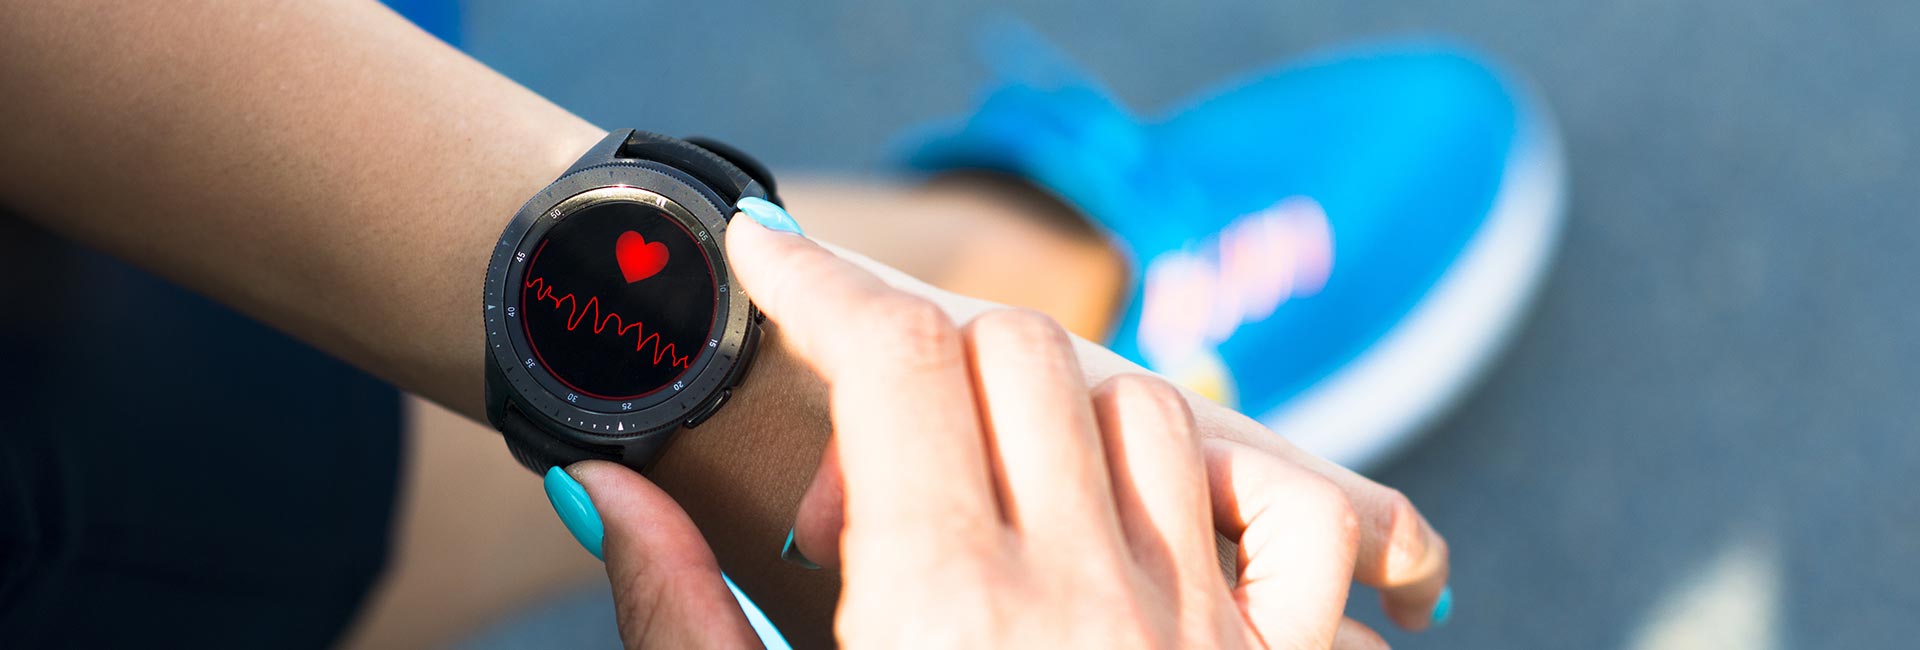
x=618, y=300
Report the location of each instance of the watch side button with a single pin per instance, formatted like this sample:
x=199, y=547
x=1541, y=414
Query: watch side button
x=709, y=409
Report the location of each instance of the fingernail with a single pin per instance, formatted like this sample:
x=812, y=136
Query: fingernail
x=767, y=214
x=575, y=508
x=1442, y=609
x=792, y=555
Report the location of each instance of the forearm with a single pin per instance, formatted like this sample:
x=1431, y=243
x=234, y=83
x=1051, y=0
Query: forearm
x=333, y=172
x=324, y=167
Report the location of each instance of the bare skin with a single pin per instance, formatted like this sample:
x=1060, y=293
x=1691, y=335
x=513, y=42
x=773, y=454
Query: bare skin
x=993, y=500
x=336, y=173
x=476, y=543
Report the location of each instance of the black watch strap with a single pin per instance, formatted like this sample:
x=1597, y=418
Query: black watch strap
x=538, y=450
x=535, y=449
x=745, y=163
x=727, y=170
x=731, y=173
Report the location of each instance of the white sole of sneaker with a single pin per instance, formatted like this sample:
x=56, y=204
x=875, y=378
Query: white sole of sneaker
x=1373, y=407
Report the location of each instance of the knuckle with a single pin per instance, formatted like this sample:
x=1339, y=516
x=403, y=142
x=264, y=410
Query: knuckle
x=1020, y=329
x=1147, y=396
x=1404, y=530
x=912, y=330
x=1396, y=511
x=1331, y=505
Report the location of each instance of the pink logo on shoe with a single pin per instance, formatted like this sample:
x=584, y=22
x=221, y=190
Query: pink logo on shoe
x=1196, y=297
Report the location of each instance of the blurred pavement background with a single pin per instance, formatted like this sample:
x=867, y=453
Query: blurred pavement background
x=1706, y=434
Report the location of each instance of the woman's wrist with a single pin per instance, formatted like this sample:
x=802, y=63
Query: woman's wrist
x=325, y=168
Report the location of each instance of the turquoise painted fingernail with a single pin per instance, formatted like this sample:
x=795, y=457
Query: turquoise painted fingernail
x=767, y=214
x=575, y=508
x=1442, y=609
x=792, y=555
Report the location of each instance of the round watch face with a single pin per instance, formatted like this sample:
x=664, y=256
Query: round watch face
x=610, y=310
x=617, y=300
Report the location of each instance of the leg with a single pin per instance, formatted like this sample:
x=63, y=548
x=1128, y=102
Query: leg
x=475, y=538
x=979, y=235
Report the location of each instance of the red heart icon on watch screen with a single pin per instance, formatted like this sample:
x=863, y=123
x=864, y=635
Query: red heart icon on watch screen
x=639, y=259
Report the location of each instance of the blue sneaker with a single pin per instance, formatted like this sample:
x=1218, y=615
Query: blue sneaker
x=1335, y=247
x=438, y=17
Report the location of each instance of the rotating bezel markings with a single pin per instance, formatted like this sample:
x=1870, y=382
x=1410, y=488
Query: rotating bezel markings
x=535, y=389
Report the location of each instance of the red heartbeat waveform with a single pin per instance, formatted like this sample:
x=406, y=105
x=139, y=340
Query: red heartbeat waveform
x=578, y=313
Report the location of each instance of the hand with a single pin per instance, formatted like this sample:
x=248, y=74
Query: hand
x=1399, y=553
x=991, y=500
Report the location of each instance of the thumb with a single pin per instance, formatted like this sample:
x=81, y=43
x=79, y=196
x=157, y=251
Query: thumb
x=667, y=588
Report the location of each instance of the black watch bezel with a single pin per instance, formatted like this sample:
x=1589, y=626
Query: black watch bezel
x=586, y=420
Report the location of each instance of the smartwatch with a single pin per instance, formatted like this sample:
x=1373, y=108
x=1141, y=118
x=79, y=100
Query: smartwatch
x=612, y=318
